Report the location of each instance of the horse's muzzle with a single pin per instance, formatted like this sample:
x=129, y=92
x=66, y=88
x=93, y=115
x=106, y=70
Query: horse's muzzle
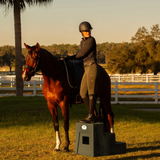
x=25, y=76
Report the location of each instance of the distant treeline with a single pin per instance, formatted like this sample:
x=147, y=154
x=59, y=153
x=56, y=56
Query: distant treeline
x=141, y=55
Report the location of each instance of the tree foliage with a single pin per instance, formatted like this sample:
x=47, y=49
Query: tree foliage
x=7, y=56
x=142, y=55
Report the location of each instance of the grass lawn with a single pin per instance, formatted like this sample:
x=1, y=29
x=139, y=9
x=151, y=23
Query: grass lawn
x=26, y=131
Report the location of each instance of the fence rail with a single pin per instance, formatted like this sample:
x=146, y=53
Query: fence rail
x=153, y=93
x=114, y=77
x=35, y=86
x=135, y=78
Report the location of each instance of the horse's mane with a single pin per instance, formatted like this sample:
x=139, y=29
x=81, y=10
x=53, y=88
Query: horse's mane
x=50, y=54
x=50, y=63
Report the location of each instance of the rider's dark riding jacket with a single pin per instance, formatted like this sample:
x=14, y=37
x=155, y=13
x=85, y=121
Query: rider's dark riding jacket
x=88, y=50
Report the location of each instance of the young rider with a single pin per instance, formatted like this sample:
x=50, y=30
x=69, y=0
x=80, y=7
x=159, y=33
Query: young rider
x=88, y=83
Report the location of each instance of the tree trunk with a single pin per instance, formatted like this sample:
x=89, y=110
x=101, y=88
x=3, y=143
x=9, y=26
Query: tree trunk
x=10, y=68
x=18, y=50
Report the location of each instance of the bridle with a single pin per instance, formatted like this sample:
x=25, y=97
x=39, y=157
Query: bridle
x=32, y=70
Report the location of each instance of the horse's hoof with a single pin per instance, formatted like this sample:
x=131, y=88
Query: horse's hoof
x=56, y=150
x=66, y=149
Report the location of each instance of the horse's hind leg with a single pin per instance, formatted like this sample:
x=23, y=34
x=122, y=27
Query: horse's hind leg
x=107, y=113
x=54, y=113
x=104, y=118
x=111, y=121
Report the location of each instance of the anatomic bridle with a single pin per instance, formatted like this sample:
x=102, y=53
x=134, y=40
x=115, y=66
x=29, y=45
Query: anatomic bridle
x=32, y=70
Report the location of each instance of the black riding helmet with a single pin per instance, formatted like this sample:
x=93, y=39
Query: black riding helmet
x=85, y=26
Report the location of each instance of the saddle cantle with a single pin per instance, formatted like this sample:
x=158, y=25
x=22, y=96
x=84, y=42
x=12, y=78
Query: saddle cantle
x=75, y=71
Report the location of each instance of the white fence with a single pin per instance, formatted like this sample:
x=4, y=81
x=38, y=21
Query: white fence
x=135, y=78
x=31, y=86
x=149, y=92
x=114, y=77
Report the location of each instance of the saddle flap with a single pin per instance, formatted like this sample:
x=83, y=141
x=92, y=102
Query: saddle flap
x=75, y=70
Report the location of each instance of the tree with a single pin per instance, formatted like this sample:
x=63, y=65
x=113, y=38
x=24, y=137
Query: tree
x=19, y=5
x=120, y=59
x=140, y=34
x=147, y=49
x=1, y=61
x=141, y=57
x=7, y=54
x=155, y=32
x=102, y=51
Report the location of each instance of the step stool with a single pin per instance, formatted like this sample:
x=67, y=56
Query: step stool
x=91, y=140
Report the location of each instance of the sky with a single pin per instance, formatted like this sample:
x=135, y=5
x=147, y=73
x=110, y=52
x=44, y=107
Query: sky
x=58, y=23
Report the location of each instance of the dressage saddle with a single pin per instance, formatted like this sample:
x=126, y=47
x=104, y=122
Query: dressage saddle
x=75, y=71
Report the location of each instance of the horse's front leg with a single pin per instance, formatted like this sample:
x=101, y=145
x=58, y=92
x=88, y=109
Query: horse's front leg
x=65, y=112
x=54, y=113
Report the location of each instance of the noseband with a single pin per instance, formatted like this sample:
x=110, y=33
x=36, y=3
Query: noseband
x=32, y=70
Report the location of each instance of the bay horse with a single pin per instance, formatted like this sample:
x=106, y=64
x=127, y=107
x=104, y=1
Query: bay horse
x=57, y=90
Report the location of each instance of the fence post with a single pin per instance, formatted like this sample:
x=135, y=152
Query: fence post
x=11, y=83
x=34, y=88
x=132, y=78
x=156, y=92
x=146, y=78
x=40, y=81
x=119, y=78
x=116, y=92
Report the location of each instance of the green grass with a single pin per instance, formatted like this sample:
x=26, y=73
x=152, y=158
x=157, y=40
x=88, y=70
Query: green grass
x=26, y=130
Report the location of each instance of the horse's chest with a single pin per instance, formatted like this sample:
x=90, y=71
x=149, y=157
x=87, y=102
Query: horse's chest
x=53, y=92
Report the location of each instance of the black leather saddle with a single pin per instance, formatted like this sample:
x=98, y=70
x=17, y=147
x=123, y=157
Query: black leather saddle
x=75, y=71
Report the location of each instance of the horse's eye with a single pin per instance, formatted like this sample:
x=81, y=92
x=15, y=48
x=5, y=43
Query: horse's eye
x=34, y=55
x=28, y=57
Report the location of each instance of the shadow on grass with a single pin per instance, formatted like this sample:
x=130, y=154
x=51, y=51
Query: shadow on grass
x=151, y=146
x=126, y=113
x=155, y=155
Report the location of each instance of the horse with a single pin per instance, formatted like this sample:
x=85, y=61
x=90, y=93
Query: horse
x=57, y=91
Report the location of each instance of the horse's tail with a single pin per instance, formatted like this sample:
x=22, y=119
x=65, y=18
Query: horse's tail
x=103, y=117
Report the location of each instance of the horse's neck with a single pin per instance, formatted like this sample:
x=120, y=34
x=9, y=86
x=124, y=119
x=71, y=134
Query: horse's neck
x=50, y=66
x=54, y=76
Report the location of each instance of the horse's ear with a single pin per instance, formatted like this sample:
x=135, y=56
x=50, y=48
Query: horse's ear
x=37, y=46
x=28, y=47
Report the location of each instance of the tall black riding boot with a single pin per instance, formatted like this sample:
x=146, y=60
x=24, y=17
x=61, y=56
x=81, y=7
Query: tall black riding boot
x=86, y=102
x=91, y=117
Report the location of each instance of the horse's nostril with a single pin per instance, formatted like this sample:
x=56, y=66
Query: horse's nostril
x=25, y=76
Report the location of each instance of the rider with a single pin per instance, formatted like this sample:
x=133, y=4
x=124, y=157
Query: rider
x=88, y=83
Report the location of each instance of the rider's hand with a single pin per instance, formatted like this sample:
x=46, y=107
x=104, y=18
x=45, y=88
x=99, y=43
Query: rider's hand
x=67, y=58
x=70, y=57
